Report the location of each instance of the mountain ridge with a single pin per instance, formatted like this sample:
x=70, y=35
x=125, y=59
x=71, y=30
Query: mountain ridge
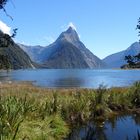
x=116, y=60
x=11, y=55
x=50, y=55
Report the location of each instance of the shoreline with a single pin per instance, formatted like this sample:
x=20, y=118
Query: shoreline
x=31, y=83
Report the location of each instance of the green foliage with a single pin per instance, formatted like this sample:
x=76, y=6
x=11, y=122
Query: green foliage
x=138, y=27
x=137, y=57
x=99, y=104
x=51, y=128
x=5, y=40
x=14, y=32
x=5, y=62
x=3, y=3
x=119, y=100
x=30, y=113
x=11, y=55
x=132, y=61
x=19, y=120
x=2, y=6
x=75, y=108
x=135, y=94
x=10, y=117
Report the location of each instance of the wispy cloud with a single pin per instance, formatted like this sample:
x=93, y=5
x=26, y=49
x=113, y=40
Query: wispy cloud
x=63, y=27
x=66, y=26
x=49, y=39
x=72, y=25
x=5, y=28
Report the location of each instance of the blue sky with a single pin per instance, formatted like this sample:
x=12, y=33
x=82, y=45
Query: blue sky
x=104, y=26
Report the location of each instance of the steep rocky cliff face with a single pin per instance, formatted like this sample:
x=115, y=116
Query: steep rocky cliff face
x=11, y=55
x=66, y=52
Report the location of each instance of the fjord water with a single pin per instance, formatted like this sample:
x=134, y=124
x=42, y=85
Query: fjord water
x=67, y=78
x=118, y=128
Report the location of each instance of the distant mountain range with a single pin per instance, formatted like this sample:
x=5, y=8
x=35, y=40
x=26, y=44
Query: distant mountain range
x=117, y=60
x=66, y=52
x=35, y=52
x=11, y=55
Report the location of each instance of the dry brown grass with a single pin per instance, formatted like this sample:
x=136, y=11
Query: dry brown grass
x=71, y=107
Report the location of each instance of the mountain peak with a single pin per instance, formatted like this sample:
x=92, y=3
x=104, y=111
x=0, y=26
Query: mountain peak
x=70, y=29
x=67, y=52
x=70, y=35
x=72, y=26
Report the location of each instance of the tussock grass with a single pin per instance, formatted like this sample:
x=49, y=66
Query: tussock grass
x=28, y=112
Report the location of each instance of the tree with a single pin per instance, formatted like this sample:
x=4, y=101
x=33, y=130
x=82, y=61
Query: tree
x=14, y=32
x=137, y=57
x=133, y=61
x=138, y=27
x=5, y=39
x=130, y=60
x=2, y=6
x=3, y=3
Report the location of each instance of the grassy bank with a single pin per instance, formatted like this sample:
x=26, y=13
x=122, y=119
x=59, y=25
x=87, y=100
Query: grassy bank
x=31, y=113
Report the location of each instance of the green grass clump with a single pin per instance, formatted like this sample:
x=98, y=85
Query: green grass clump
x=31, y=113
x=50, y=128
x=75, y=108
x=135, y=94
x=11, y=116
x=99, y=105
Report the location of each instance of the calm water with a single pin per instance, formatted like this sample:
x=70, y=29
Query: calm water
x=74, y=78
x=119, y=128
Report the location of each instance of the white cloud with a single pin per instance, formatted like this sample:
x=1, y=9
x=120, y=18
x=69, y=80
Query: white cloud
x=5, y=28
x=25, y=43
x=63, y=27
x=66, y=26
x=49, y=39
x=72, y=25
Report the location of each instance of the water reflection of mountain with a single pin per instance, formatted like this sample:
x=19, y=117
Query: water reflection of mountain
x=69, y=82
x=74, y=77
x=121, y=127
x=90, y=132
